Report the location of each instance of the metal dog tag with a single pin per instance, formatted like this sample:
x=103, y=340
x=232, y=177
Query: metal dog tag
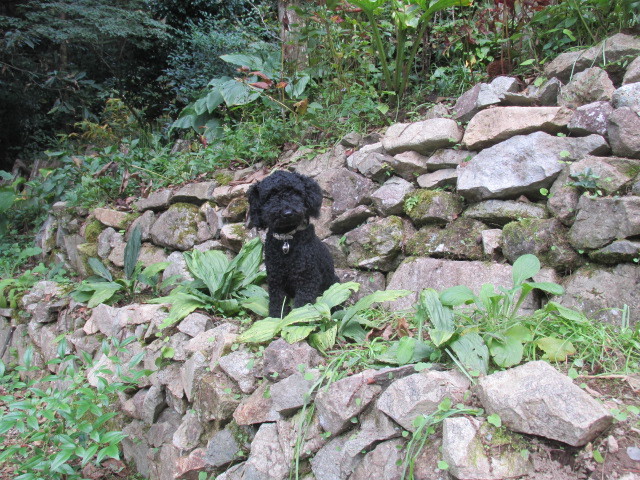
x=285, y=247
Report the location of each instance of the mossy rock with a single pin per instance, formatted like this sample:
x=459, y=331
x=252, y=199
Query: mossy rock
x=92, y=230
x=460, y=240
x=432, y=207
x=544, y=238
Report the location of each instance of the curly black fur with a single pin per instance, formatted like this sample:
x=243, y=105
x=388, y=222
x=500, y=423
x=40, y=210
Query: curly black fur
x=283, y=203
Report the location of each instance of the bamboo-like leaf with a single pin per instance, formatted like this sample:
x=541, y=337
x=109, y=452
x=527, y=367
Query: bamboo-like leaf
x=132, y=252
x=99, y=269
x=441, y=317
x=103, y=292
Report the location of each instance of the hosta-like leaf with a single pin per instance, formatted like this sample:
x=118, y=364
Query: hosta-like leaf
x=458, y=295
x=548, y=287
x=338, y=293
x=103, y=292
x=441, y=317
x=132, y=251
x=564, y=312
x=524, y=267
x=261, y=331
x=472, y=352
x=238, y=93
x=295, y=333
x=323, y=341
x=182, y=304
x=306, y=314
x=555, y=349
x=506, y=353
x=99, y=269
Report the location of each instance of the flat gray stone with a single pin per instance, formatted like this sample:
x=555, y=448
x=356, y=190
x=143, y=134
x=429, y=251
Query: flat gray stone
x=422, y=137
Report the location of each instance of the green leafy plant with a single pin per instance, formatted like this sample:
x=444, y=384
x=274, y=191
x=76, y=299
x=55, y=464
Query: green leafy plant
x=11, y=289
x=220, y=285
x=60, y=429
x=317, y=322
x=102, y=288
x=491, y=327
x=410, y=20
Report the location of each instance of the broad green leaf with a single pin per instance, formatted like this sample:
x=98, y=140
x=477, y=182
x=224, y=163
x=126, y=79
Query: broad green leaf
x=103, y=292
x=564, y=312
x=229, y=306
x=306, y=314
x=237, y=93
x=555, y=349
x=458, y=295
x=61, y=457
x=353, y=330
x=367, y=5
x=261, y=331
x=525, y=267
x=421, y=351
x=154, y=269
x=440, y=5
x=495, y=420
x=548, y=287
x=406, y=350
x=209, y=267
x=338, y=293
x=323, y=341
x=296, y=89
x=213, y=100
x=182, y=304
x=132, y=252
x=294, y=333
x=472, y=352
x=256, y=299
x=506, y=353
x=7, y=198
x=99, y=269
x=252, y=62
x=520, y=333
x=441, y=317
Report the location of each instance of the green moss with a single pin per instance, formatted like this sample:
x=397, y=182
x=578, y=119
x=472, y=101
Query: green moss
x=238, y=207
x=128, y=220
x=223, y=178
x=92, y=230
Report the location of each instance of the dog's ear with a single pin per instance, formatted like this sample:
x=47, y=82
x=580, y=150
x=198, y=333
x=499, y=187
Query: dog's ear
x=312, y=196
x=255, y=206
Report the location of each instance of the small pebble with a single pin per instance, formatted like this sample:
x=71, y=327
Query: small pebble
x=612, y=444
x=634, y=453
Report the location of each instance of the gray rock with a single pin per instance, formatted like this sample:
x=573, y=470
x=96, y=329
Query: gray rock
x=463, y=449
x=563, y=198
x=330, y=160
x=106, y=240
x=608, y=174
x=190, y=466
x=374, y=165
x=233, y=236
x=194, y=324
x=520, y=396
x=602, y=220
x=266, y=460
x=293, y=392
x=351, y=140
x=215, y=342
x=222, y=449
x=523, y=165
x=433, y=207
x=216, y=397
x=367, y=149
x=223, y=195
x=191, y=371
x=158, y=200
x=187, y=436
x=176, y=228
x=609, y=50
x=112, y=218
x=492, y=242
x=282, y=359
x=494, y=125
x=256, y=408
x=472, y=101
x=501, y=212
x=196, y=193
x=177, y=269
x=347, y=189
x=590, y=85
x=547, y=94
x=376, y=245
x=460, y=240
x=332, y=462
x=144, y=222
x=389, y=198
x=422, y=137
x=240, y=366
x=420, y=394
x=627, y=96
x=409, y=165
x=351, y=219
x=345, y=399
x=544, y=238
x=446, y=158
x=618, y=251
x=601, y=293
x=447, y=177
x=153, y=403
x=624, y=132
x=135, y=448
x=632, y=75
x=591, y=118
x=302, y=433
x=384, y=461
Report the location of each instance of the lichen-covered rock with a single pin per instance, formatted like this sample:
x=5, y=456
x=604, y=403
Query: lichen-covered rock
x=282, y=359
x=389, y=198
x=632, y=75
x=607, y=174
x=345, y=188
x=520, y=396
x=425, y=207
x=544, y=238
x=591, y=118
x=351, y=219
x=377, y=244
x=624, y=132
x=158, y=200
x=233, y=236
x=619, y=251
x=446, y=177
x=113, y=218
x=627, y=96
x=590, y=85
x=523, y=164
x=501, y=212
x=601, y=220
x=460, y=240
x=177, y=228
x=423, y=137
x=216, y=397
x=494, y=125
x=563, y=198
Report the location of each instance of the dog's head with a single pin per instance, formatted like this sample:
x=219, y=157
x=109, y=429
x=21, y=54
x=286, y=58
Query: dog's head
x=283, y=201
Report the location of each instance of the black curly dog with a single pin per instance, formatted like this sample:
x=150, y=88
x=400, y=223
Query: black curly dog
x=299, y=265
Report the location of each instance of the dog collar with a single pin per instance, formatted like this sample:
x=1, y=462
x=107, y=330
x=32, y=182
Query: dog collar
x=285, y=237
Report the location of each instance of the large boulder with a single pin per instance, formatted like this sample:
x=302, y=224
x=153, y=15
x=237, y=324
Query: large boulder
x=523, y=164
x=377, y=244
x=422, y=137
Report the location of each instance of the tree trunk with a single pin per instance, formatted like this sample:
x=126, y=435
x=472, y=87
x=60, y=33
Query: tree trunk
x=294, y=52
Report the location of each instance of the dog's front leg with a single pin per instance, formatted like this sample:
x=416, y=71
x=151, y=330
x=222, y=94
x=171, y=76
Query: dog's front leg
x=278, y=307
x=305, y=294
